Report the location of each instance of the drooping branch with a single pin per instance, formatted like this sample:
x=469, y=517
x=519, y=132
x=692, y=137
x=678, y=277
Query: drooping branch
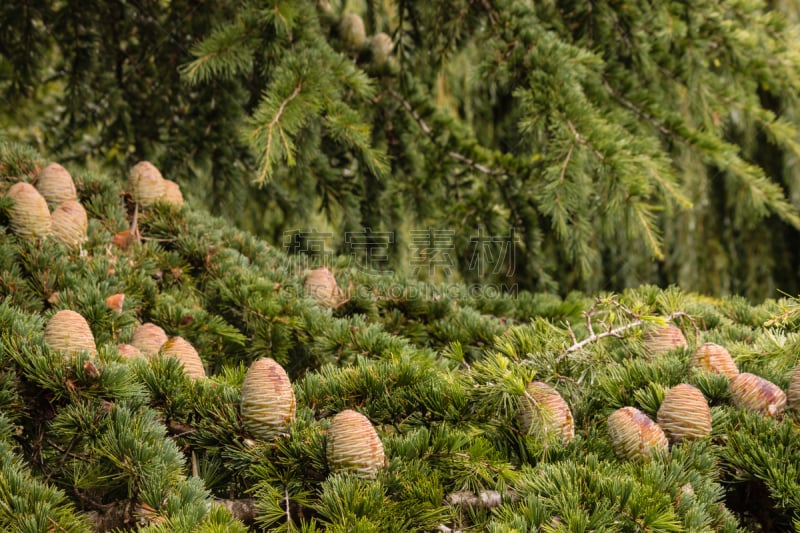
x=461, y=158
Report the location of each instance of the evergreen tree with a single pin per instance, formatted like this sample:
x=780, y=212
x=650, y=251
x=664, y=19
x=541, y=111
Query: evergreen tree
x=95, y=438
x=614, y=144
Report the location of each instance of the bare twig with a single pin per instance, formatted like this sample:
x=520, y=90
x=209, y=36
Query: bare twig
x=286, y=502
x=571, y=332
x=615, y=332
x=135, y=223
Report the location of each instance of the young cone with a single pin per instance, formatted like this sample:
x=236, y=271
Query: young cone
x=755, y=393
x=794, y=391
x=716, y=359
x=68, y=332
x=56, y=185
x=664, y=340
x=382, y=47
x=129, y=351
x=352, y=30
x=172, y=194
x=633, y=435
x=148, y=338
x=354, y=446
x=684, y=414
x=268, y=404
x=185, y=352
x=321, y=285
x=70, y=224
x=146, y=183
x=29, y=217
x=544, y=411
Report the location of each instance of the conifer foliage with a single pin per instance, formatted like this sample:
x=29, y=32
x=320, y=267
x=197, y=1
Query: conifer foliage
x=613, y=143
x=389, y=412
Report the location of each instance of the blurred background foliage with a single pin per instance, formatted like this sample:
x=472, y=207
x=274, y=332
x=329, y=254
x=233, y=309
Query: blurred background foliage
x=614, y=143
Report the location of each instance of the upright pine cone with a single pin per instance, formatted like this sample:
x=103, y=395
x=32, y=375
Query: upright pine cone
x=354, y=446
x=185, y=352
x=146, y=183
x=716, y=359
x=633, y=435
x=68, y=332
x=172, y=194
x=56, y=185
x=544, y=411
x=129, y=351
x=664, y=340
x=29, y=217
x=794, y=390
x=684, y=414
x=755, y=393
x=148, y=338
x=70, y=224
x=268, y=403
x=321, y=285
x=352, y=30
x=382, y=47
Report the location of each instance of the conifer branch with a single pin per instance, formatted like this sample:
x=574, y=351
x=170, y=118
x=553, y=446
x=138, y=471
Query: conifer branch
x=614, y=332
x=270, y=126
x=427, y=130
x=287, y=504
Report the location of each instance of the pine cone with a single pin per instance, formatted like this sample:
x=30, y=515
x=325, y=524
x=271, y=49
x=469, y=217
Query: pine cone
x=70, y=224
x=185, y=352
x=382, y=47
x=148, y=338
x=129, y=351
x=146, y=183
x=664, y=340
x=684, y=414
x=716, y=359
x=172, y=194
x=354, y=446
x=633, y=435
x=755, y=393
x=794, y=390
x=321, y=285
x=68, y=332
x=543, y=410
x=268, y=403
x=352, y=30
x=29, y=217
x=56, y=185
